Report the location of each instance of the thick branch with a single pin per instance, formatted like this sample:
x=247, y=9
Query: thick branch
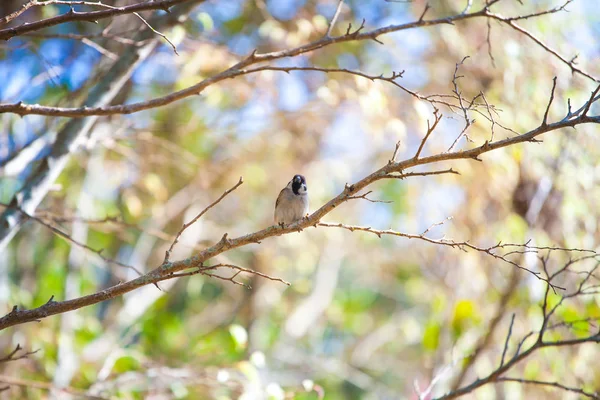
x=254, y=58
x=90, y=16
x=225, y=244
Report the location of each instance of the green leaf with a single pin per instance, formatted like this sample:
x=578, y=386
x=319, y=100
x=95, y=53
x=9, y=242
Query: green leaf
x=465, y=314
x=126, y=363
x=239, y=335
x=206, y=20
x=431, y=336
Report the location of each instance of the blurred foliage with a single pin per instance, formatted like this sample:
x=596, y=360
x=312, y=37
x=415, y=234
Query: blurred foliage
x=364, y=317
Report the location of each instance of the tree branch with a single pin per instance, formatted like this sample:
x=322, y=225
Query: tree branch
x=255, y=58
x=540, y=343
x=203, y=271
x=539, y=42
x=552, y=384
x=225, y=244
x=73, y=241
x=335, y=17
x=36, y=187
x=197, y=217
x=73, y=15
x=12, y=356
x=430, y=128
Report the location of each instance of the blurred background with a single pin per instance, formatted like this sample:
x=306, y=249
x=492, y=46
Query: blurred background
x=364, y=317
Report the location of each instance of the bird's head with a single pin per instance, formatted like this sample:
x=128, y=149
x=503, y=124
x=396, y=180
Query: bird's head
x=298, y=184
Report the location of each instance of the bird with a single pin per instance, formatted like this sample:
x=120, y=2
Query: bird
x=292, y=202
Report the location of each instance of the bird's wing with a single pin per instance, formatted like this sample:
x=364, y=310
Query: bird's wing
x=279, y=197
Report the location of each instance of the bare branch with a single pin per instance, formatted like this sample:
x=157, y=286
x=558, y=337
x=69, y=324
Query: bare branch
x=467, y=6
x=496, y=374
x=203, y=271
x=491, y=251
x=512, y=321
x=491, y=116
x=430, y=129
x=393, y=159
x=21, y=316
x=197, y=217
x=72, y=15
x=465, y=110
x=335, y=17
x=591, y=100
x=156, y=32
x=254, y=58
x=542, y=13
x=12, y=356
x=545, y=120
x=539, y=342
x=109, y=220
x=364, y=196
x=488, y=39
x=426, y=173
x=552, y=384
x=6, y=19
x=117, y=74
x=71, y=240
x=102, y=5
x=434, y=225
x=427, y=8
x=539, y=42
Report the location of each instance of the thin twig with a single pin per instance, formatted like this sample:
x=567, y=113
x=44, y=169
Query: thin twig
x=491, y=116
x=197, y=217
x=488, y=39
x=430, y=129
x=445, y=242
x=71, y=240
x=510, y=327
x=156, y=32
x=545, y=120
x=539, y=42
x=557, y=385
x=393, y=159
x=435, y=225
x=364, y=196
x=203, y=271
x=335, y=17
x=422, y=16
x=426, y=173
x=464, y=109
x=12, y=356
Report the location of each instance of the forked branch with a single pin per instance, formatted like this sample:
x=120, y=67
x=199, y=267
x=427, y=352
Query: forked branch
x=389, y=170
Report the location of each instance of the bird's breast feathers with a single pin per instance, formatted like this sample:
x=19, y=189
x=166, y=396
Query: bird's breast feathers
x=290, y=207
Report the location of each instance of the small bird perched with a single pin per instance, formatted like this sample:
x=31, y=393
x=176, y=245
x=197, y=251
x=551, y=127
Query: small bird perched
x=292, y=202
